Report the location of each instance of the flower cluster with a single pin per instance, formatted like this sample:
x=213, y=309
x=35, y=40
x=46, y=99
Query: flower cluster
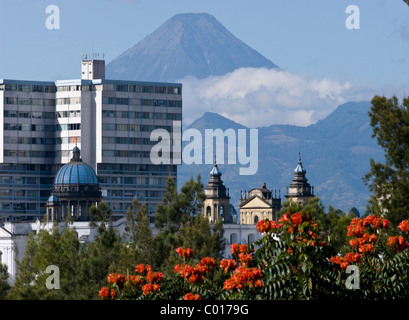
x=362, y=231
x=363, y=239
x=228, y=265
x=236, y=249
x=301, y=228
x=184, y=252
x=147, y=277
x=359, y=226
x=198, y=272
x=116, y=278
x=145, y=280
x=266, y=225
x=404, y=226
x=242, y=277
x=242, y=253
x=399, y=243
x=191, y=296
x=345, y=261
x=107, y=294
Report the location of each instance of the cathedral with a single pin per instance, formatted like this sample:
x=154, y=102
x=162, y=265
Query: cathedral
x=254, y=205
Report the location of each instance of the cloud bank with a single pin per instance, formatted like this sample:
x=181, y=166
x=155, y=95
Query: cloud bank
x=257, y=97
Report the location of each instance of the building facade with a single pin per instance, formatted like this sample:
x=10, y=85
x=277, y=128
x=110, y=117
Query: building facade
x=258, y=204
x=109, y=120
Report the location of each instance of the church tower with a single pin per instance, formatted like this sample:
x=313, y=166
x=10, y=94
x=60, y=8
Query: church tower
x=300, y=190
x=217, y=203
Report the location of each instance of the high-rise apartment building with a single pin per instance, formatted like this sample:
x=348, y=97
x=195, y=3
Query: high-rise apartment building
x=111, y=121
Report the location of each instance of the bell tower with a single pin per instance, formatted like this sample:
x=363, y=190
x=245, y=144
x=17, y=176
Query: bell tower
x=300, y=190
x=217, y=203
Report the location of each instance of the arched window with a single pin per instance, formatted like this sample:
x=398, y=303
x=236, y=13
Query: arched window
x=208, y=210
x=255, y=219
x=251, y=237
x=233, y=238
x=222, y=212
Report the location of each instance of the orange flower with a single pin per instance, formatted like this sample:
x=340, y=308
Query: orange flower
x=177, y=268
x=136, y=279
x=392, y=241
x=191, y=296
x=234, y=248
x=116, y=278
x=243, y=276
x=208, y=261
x=147, y=288
x=399, y=243
x=296, y=218
x=267, y=225
x=404, y=226
x=186, y=271
x=245, y=258
x=184, y=252
x=243, y=248
x=141, y=268
x=104, y=293
x=228, y=264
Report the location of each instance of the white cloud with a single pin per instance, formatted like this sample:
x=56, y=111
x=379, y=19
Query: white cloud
x=262, y=97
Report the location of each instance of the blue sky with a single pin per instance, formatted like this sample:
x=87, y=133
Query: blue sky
x=306, y=38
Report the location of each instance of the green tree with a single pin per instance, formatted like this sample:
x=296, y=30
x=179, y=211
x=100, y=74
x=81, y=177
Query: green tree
x=102, y=255
x=49, y=248
x=4, y=285
x=389, y=181
x=139, y=240
x=179, y=223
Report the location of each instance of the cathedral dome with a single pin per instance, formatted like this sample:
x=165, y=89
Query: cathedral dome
x=75, y=172
x=300, y=168
x=215, y=170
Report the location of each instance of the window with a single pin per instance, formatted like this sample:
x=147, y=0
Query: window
x=160, y=89
x=122, y=87
x=233, y=238
x=148, y=89
x=175, y=103
x=10, y=100
x=37, y=88
x=110, y=140
x=24, y=87
x=74, y=139
x=24, y=101
x=174, y=90
x=11, y=87
x=108, y=113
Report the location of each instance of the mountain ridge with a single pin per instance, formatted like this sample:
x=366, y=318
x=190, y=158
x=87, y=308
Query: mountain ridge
x=187, y=44
x=335, y=152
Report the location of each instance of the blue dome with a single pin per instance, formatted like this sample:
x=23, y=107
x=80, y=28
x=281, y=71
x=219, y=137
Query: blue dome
x=215, y=171
x=53, y=199
x=76, y=172
x=300, y=168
